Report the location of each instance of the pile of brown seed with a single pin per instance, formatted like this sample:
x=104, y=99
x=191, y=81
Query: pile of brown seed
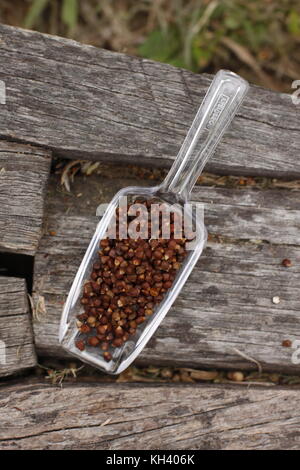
x=130, y=278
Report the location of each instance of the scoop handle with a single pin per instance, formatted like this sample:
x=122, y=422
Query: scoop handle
x=216, y=112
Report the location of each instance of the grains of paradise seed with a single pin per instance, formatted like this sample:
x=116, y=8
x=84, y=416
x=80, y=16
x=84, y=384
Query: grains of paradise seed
x=80, y=345
x=129, y=278
x=286, y=263
x=93, y=341
x=107, y=356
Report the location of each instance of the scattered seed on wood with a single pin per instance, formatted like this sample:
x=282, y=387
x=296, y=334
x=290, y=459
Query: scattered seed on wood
x=286, y=263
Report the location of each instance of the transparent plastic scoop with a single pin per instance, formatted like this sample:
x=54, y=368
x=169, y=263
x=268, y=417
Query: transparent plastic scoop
x=217, y=110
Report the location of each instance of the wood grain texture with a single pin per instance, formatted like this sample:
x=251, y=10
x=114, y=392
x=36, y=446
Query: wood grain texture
x=24, y=172
x=118, y=417
x=16, y=340
x=227, y=302
x=82, y=101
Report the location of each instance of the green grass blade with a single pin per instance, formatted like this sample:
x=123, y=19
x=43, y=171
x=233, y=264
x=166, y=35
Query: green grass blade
x=34, y=12
x=69, y=13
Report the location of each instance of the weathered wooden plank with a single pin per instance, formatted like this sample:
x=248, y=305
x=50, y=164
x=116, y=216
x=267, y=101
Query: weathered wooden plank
x=272, y=215
x=226, y=304
x=16, y=340
x=24, y=172
x=59, y=92
x=118, y=417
